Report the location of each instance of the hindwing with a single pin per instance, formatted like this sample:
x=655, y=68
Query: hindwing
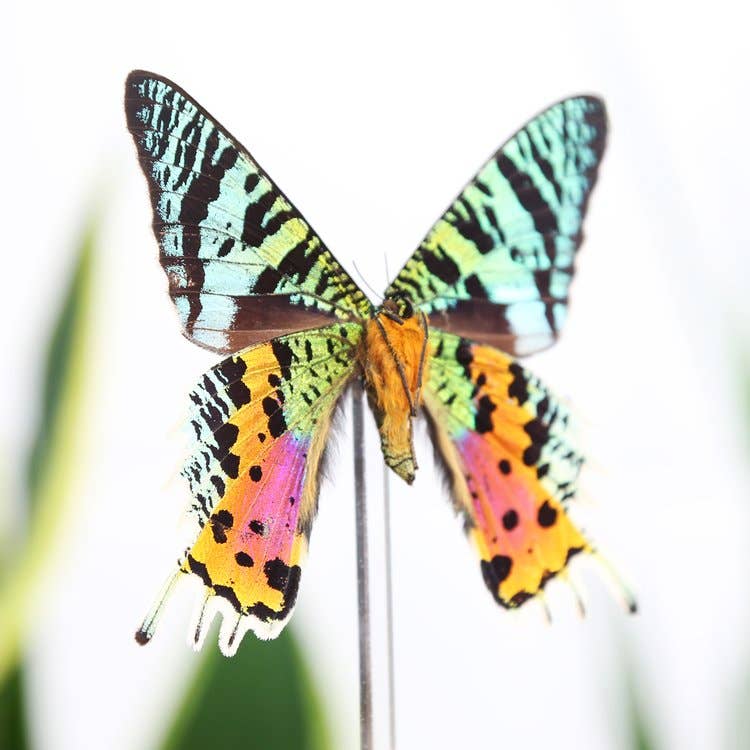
x=505, y=443
x=260, y=421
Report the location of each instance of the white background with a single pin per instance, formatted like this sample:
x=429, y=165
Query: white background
x=371, y=120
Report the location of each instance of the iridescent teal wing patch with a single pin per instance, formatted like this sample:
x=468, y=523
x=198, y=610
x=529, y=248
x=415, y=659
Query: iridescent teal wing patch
x=243, y=264
x=497, y=265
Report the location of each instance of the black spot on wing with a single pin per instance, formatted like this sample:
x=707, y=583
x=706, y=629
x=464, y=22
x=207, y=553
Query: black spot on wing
x=231, y=369
x=277, y=573
x=532, y=454
x=270, y=405
x=253, y=233
x=440, y=264
x=226, y=247
x=469, y=227
x=494, y=572
x=227, y=592
x=284, y=356
x=251, y=182
x=475, y=288
x=225, y=437
x=518, y=599
x=244, y=560
x=257, y=527
x=546, y=168
x=299, y=261
x=218, y=483
x=528, y=195
x=267, y=281
x=542, y=407
x=546, y=515
x=275, y=414
x=220, y=522
x=464, y=357
x=483, y=418
x=230, y=464
x=239, y=393
x=510, y=520
x=199, y=569
x=537, y=431
x=264, y=613
x=519, y=386
x=219, y=532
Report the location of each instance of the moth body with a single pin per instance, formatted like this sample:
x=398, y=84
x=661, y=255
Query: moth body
x=394, y=362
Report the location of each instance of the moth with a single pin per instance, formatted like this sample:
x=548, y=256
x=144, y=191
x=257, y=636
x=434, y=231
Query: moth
x=251, y=280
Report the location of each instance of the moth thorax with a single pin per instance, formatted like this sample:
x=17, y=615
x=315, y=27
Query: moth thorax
x=396, y=359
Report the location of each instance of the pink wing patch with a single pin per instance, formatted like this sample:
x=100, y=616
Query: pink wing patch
x=250, y=551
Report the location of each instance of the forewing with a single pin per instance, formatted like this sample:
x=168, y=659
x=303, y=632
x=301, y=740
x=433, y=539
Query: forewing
x=505, y=444
x=243, y=264
x=261, y=420
x=497, y=265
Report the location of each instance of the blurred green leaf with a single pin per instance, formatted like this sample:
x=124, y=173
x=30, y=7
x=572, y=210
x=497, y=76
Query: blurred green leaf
x=13, y=735
x=742, y=384
x=260, y=699
x=738, y=719
x=640, y=733
x=53, y=455
x=738, y=724
x=638, y=720
x=61, y=370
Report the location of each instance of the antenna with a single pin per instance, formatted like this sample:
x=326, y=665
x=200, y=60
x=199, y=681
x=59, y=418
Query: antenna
x=377, y=295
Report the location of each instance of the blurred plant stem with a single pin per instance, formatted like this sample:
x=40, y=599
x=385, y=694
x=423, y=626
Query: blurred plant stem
x=53, y=457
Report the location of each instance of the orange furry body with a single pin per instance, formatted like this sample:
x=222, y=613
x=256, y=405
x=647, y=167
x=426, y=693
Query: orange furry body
x=395, y=366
